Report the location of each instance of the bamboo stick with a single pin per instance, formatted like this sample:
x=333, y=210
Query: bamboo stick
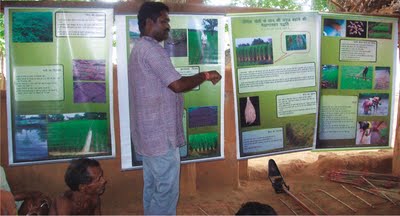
x=202, y=210
x=338, y=200
x=288, y=207
x=358, y=197
x=299, y=202
x=337, y=5
x=314, y=203
x=383, y=193
x=370, y=192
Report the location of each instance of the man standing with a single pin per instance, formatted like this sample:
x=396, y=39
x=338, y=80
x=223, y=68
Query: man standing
x=156, y=109
x=85, y=179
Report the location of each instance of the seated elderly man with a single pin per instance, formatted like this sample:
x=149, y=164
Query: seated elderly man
x=85, y=179
x=26, y=203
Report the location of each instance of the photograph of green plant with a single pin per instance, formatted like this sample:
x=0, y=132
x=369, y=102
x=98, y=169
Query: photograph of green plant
x=356, y=77
x=329, y=76
x=380, y=30
x=254, y=51
x=76, y=134
x=203, y=41
x=203, y=144
x=30, y=27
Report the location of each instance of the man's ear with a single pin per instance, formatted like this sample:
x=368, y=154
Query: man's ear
x=82, y=187
x=149, y=22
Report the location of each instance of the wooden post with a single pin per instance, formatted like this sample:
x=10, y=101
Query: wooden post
x=396, y=148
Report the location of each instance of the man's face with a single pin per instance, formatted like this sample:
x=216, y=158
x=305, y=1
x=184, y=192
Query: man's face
x=97, y=186
x=160, y=28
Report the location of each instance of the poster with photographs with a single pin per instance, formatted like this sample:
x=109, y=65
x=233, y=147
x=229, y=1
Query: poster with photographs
x=275, y=75
x=358, y=71
x=195, y=44
x=59, y=84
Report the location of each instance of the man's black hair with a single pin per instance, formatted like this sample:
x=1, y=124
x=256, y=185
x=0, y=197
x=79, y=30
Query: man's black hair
x=77, y=173
x=150, y=10
x=256, y=208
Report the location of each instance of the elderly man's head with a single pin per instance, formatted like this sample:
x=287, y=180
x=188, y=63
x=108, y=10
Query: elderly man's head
x=85, y=175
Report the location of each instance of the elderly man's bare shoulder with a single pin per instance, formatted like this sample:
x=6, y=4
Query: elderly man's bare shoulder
x=62, y=205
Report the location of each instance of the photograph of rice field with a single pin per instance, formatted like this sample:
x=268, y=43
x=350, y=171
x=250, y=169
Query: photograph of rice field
x=254, y=51
x=203, y=41
x=356, y=77
x=382, y=78
x=204, y=144
x=30, y=138
x=94, y=70
x=380, y=30
x=299, y=134
x=176, y=44
x=76, y=134
x=296, y=42
x=28, y=27
x=334, y=27
x=329, y=77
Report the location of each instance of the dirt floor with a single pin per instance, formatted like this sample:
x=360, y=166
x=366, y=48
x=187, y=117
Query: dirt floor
x=305, y=176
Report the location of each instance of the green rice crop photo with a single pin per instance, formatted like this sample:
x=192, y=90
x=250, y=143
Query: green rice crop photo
x=203, y=52
x=32, y=27
x=329, y=76
x=380, y=30
x=75, y=137
x=356, y=77
x=203, y=143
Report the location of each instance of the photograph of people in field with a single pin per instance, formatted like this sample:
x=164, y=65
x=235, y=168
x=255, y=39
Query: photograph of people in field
x=373, y=104
x=372, y=132
x=356, y=77
x=254, y=51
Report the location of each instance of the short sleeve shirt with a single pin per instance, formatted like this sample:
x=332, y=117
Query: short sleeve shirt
x=156, y=111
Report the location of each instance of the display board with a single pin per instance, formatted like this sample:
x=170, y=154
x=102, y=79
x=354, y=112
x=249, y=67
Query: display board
x=358, y=69
x=275, y=58
x=195, y=44
x=59, y=96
